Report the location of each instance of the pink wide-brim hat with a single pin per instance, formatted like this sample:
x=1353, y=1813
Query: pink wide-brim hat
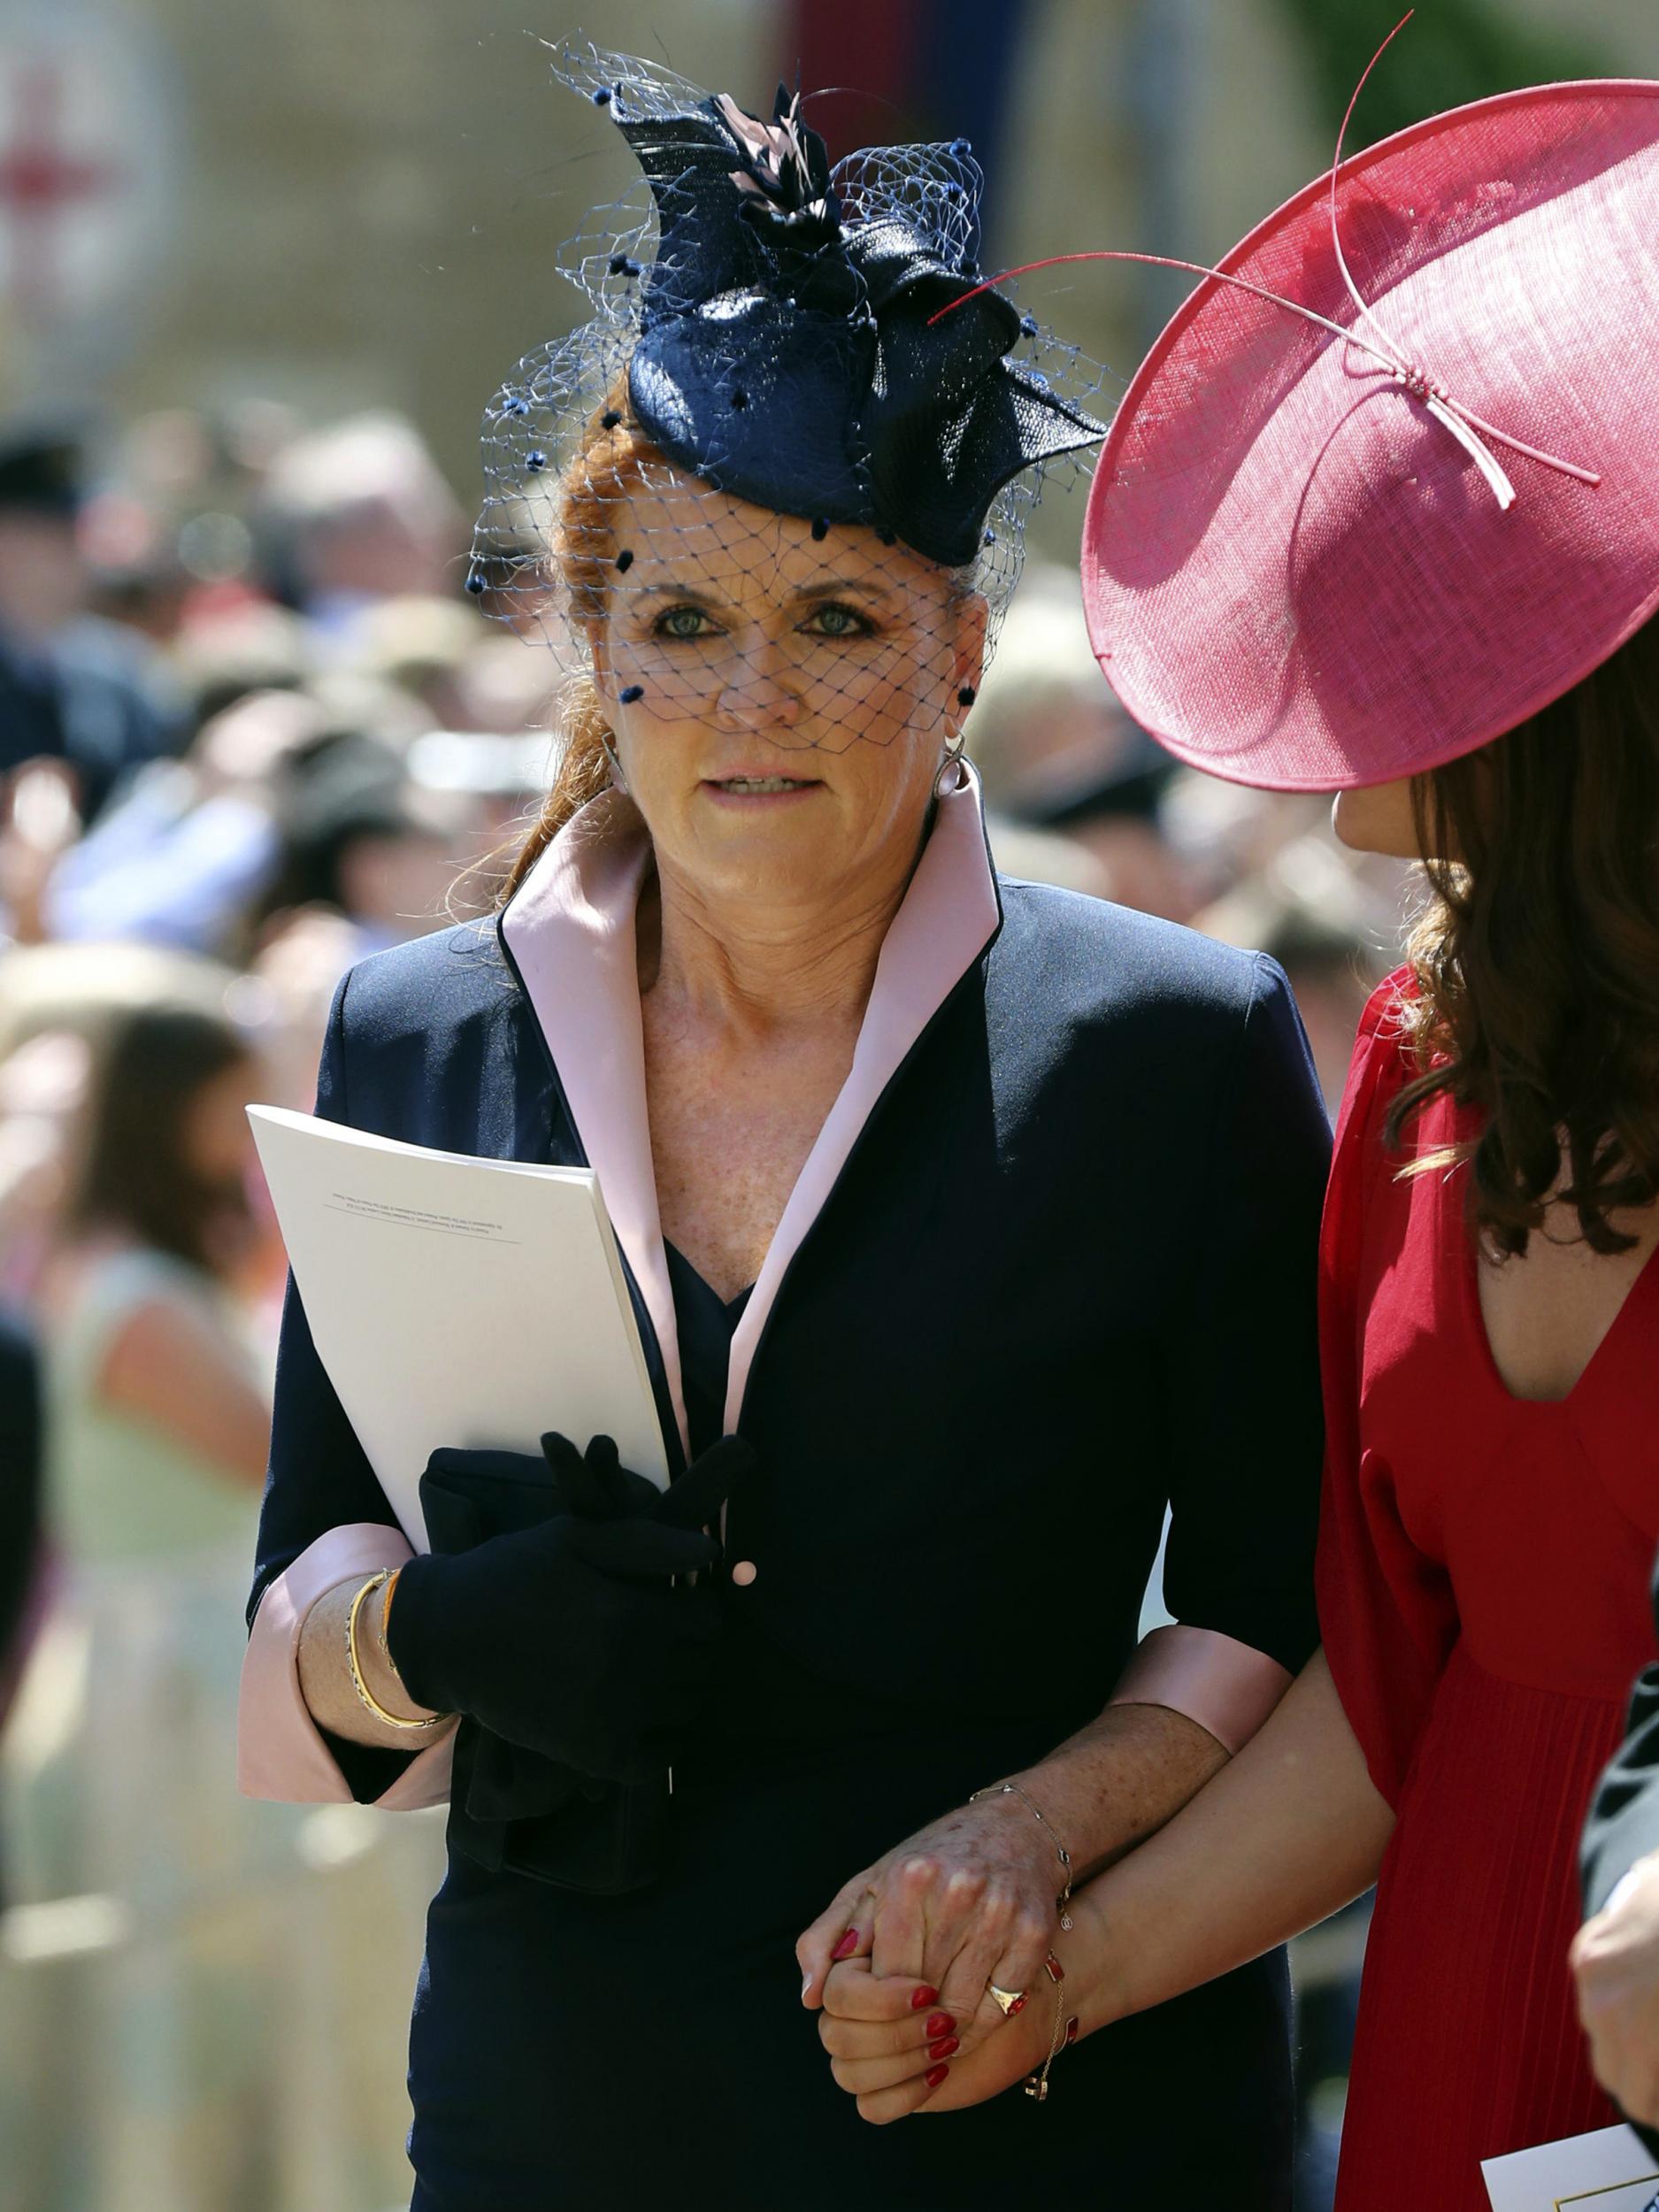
x=1297, y=573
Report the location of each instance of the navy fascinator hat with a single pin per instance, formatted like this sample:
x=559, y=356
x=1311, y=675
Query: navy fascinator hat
x=786, y=353
x=771, y=323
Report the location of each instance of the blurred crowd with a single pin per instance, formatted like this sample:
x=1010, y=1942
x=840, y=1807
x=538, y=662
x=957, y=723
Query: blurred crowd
x=252, y=729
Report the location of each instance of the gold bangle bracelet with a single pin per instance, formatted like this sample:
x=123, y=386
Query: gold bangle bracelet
x=386, y=1608
x=365, y=1695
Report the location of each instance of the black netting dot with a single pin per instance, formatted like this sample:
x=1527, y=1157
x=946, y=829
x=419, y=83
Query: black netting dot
x=966, y=697
x=617, y=264
x=961, y=147
x=989, y=538
x=739, y=398
x=970, y=270
x=630, y=268
x=515, y=406
x=476, y=584
x=535, y=462
x=820, y=528
x=630, y=692
x=610, y=418
x=1028, y=324
x=624, y=559
x=601, y=96
x=887, y=536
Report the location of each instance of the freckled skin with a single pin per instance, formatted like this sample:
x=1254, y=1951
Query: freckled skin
x=730, y=1130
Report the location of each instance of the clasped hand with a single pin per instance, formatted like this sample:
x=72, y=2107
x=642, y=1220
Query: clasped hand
x=884, y=2033
x=577, y=1638
x=902, y=1961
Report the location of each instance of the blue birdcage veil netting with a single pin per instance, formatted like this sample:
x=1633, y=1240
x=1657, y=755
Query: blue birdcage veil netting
x=770, y=477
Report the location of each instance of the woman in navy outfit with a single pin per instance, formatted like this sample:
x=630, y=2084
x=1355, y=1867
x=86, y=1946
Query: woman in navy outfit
x=969, y=1225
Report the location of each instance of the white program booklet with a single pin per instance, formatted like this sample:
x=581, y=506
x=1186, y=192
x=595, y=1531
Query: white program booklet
x=1608, y=2171
x=457, y=1301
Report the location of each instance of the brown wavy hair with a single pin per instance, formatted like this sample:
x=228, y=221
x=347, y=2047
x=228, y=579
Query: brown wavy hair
x=134, y=1172
x=1536, y=959
x=613, y=450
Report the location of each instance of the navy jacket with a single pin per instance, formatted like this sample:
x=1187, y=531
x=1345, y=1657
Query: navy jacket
x=1064, y=1275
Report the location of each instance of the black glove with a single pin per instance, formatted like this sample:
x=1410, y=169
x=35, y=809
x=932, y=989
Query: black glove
x=569, y=1637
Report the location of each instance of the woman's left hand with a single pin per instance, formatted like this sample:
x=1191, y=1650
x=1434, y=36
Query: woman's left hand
x=882, y=2050
x=966, y=1902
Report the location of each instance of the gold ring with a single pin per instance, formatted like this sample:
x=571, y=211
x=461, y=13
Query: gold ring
x=1005, y=1999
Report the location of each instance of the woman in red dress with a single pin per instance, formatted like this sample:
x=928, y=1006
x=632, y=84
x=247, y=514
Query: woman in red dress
x=1311, y=563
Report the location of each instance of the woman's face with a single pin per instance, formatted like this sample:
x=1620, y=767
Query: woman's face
x=780, y=700
x=217, y=1146
x=215, y=1142
x=1377, y=819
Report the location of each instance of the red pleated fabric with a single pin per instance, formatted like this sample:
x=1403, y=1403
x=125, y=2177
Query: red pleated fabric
x=1483, y=1584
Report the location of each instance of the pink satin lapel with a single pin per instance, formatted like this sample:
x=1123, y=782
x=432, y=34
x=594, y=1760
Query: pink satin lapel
x=1227, y=1687
x=571, y=930
x=950, y=914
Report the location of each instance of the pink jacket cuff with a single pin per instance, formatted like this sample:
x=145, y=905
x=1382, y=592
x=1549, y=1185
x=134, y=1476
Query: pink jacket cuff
x=280, y=1752
x=1226, y=1686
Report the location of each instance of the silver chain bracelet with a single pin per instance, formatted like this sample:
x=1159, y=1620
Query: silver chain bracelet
x=1012, y=1789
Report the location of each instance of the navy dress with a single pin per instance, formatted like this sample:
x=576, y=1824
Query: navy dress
x=1065, y=1278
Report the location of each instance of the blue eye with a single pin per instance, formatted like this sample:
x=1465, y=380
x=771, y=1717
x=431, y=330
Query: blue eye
x=833, y=620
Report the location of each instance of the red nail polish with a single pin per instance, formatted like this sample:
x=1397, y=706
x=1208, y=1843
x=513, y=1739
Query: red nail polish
x=1070, y=2029
x=923, y=1996
x=848, y=1944
x=944, y=2049
x=1056, y=1972
x=1018, y=2005
x=935, y=2075
x=939, y=2023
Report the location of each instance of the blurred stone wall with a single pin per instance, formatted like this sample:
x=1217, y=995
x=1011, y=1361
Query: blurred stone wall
x=357, y=202
x=374, y=191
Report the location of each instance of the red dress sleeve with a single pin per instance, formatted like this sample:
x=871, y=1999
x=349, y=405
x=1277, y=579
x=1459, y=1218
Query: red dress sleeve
x=1387, y=1612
